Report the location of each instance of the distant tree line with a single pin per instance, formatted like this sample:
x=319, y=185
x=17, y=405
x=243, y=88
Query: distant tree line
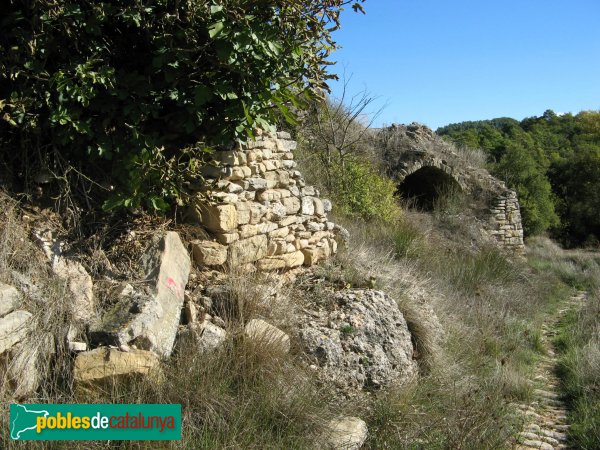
x=553, y=162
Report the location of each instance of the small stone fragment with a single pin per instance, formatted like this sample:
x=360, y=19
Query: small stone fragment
x=346, y=433
x=261, y=331
x=110, y=364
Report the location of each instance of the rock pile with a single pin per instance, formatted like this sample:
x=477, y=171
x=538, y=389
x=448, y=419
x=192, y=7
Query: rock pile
x=259, y=210
x=13, y=321
x=19, y=354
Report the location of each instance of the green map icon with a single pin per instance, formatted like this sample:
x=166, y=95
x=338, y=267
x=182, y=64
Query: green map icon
x=23, y=421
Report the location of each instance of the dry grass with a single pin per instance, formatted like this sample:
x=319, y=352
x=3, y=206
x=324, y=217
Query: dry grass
x=475, y=316
x=244, y=395
x=473, y=313
x=42, y=356
x=23, y=264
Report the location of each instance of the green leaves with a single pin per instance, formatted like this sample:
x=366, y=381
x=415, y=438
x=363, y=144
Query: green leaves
x=552, y=161
x=215, y=29
x=202, y=94
x=108, y=84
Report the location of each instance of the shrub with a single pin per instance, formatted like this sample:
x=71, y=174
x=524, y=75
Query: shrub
x=115, y=86
x=360, y=191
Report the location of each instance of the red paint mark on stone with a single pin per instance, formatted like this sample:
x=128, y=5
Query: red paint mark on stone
x=172, y=284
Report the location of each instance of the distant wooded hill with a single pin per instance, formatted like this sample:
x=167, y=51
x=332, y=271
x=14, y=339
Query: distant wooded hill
x=553, y=162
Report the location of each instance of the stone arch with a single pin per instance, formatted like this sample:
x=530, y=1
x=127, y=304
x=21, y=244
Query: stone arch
x=425, y=183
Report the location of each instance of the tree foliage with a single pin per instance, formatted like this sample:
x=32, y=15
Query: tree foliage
x=129, y=87
x=337, y=147
x=553, y=161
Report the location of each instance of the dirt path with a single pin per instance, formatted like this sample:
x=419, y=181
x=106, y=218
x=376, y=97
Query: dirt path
x=546, y=423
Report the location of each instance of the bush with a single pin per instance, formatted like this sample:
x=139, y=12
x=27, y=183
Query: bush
x=115, y=86
x=360, y=191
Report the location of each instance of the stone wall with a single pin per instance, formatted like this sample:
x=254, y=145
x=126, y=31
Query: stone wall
x=505, y=222
x=258, y=210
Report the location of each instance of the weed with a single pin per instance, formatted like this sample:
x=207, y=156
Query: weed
x=347, y=329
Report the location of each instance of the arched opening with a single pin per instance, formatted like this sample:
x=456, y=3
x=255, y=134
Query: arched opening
x=423, y=187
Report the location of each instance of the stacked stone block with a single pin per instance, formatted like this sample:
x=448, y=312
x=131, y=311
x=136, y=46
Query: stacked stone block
x=259, y=211
x=505, y=222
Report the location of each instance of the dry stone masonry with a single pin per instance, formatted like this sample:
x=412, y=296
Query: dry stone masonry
x=259, y=211
x=505, y=221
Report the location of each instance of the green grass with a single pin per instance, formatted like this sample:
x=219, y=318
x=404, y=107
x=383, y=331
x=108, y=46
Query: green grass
x=407, y=239
x=579, y=371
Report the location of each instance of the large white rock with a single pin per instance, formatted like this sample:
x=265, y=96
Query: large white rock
x=13, y=328
x=363, y=342
x=80, y=302
x=208, y=253
x=10, y=299
x=150, y=319
x=308, y=206
x=203, y=337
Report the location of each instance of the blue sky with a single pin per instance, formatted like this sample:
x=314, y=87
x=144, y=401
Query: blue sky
x=440, y=61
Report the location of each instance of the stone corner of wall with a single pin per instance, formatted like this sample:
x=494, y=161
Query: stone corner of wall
x=505, y=222
x=260, y=211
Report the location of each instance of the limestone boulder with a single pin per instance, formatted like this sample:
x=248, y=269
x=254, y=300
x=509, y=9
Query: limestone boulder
x=103, y=364
x=216, y=218
x=149, y=316
x=364, y=342
x=247, y=250
x=278, y=212
x=312, y=255
x=208, y=253
x=284, y=261
x=292, y=205
x=203, y=337
x=80, y=286
x=308, y=206
x=78, y=282
x=319, y=207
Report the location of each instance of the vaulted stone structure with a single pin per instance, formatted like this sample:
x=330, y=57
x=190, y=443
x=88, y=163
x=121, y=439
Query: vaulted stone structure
x=425, y=166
